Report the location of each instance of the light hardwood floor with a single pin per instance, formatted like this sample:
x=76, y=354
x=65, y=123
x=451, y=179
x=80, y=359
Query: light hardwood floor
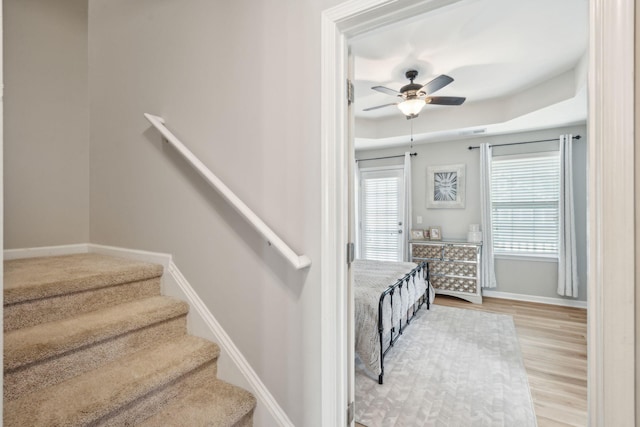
x=553, y=341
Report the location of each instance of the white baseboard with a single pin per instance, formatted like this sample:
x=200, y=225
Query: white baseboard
x=145, y=256
x=226, y=345
x=534, y=298
x=79, y=248
x=200, y=320
x=82, y=248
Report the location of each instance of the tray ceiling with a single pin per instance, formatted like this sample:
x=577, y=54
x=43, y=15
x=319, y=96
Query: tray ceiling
x=515, y=57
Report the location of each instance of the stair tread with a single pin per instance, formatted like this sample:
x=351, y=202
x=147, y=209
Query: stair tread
x=28, y=345
x=95, y=394
x=215, y=404
x=33, y=278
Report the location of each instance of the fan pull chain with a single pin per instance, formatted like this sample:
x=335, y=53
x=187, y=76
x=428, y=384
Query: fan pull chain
x=411, y=146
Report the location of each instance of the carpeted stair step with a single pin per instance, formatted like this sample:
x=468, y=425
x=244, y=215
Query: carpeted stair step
x=90, y=341
x=44, y=289
x=52, y=352
x=214, y=404
x=124, y=392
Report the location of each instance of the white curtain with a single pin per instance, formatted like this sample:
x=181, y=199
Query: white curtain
x=487, y=268
x=567, y=267
x=407, y=206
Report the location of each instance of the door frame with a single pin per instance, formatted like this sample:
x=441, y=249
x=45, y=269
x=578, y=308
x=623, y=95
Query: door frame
x=611, y=240
x=611, y=214
x=1, y=184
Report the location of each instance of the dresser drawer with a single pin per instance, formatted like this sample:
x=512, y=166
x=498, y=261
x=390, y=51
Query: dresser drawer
x=453, y=268
x=426, y=251
x=469, y=286
x=461, y=253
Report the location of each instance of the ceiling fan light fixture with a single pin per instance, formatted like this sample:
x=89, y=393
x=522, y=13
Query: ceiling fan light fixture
x=415, y=96
x=411, y=107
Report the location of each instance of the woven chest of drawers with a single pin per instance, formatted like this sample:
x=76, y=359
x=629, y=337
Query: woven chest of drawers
x=454, y=267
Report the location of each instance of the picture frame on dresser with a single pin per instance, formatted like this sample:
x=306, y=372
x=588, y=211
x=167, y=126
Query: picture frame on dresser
x=446, y=187
x=417, y=235
x=435, y=233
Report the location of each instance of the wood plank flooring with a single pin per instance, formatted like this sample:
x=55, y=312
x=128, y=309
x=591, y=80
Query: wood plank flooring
x=553, y=341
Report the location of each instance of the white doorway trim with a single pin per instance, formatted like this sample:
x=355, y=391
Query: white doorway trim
x=1, y=184
x=611, y=252
x=611, y=326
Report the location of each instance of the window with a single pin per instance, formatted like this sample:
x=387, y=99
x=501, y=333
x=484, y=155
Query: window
x=525, y=204
x=381, y=213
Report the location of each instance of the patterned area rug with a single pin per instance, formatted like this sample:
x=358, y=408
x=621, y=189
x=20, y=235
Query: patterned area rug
x=452, y=367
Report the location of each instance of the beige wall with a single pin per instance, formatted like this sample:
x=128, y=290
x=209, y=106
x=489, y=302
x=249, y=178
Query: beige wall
x=46, y=148
x=237, y=82
x=537, y=278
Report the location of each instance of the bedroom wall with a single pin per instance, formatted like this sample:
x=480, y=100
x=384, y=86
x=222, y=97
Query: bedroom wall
x=525, y=277
x=46, y=127
x=228, y=77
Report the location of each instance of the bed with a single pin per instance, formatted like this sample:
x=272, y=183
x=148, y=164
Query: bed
x=387, y=295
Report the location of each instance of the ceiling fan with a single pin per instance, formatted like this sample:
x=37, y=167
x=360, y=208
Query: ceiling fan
x=415, y=96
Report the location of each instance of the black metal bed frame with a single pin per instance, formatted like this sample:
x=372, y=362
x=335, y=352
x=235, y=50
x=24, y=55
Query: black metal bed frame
x=422, y=268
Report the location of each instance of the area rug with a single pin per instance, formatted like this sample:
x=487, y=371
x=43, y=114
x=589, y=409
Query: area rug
x=452, y=367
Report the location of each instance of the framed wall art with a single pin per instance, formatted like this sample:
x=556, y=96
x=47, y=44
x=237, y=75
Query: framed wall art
x=446, y=186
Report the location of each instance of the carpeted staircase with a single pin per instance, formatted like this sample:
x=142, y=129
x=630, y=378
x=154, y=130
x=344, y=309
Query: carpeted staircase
x=89, y=340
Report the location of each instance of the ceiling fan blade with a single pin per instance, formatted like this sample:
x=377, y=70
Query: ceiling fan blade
x=436, y=84
x=444, y=100
x=386, y=90
x=379, y=106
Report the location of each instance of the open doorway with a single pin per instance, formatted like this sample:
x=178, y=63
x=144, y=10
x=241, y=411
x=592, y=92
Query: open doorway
x=518, y=74
x=611, y=245
x=524, y=79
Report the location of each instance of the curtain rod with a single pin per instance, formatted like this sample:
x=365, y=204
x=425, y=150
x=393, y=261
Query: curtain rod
x=525, y=142
x=387, y=157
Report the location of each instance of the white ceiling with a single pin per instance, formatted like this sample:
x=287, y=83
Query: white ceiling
x=521, y=64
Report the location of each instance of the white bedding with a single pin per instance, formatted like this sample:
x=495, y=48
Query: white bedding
x=371, y=278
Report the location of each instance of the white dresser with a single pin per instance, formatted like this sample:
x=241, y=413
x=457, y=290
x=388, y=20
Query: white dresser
x=454, y=267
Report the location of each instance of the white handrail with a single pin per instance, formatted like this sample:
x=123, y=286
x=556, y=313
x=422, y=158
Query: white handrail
x=298, y=261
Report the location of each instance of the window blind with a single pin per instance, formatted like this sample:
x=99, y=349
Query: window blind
x=525, y=204
x=381, y=215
